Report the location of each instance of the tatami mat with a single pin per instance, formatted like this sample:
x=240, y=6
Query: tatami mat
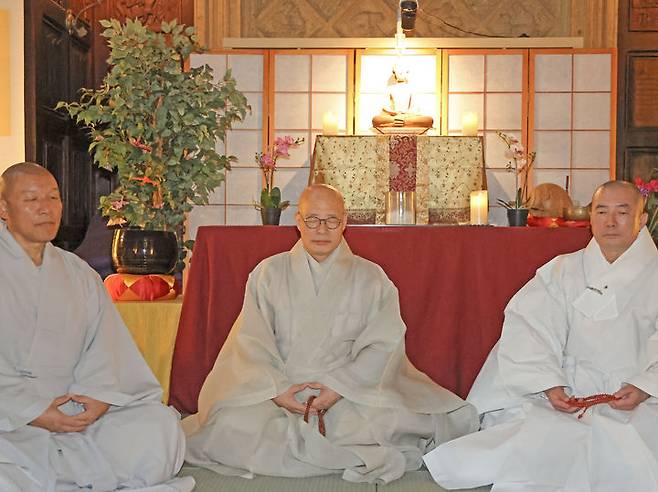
x=208, y=481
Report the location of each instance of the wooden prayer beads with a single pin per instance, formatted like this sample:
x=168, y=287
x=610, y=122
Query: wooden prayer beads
x=321, y=413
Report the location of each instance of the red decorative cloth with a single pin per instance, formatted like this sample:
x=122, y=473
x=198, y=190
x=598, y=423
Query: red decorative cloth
x=555, y=222
x=126, y=287
x=403, y=159
x=543, y=221
x=454, y=283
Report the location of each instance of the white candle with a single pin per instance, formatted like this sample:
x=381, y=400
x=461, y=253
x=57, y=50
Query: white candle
x=329, y=124
x=479, y=207
x=470, y=124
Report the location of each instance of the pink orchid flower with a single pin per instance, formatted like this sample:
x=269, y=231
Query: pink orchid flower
x=281, y=150
x=287, y=141
x=267, y=162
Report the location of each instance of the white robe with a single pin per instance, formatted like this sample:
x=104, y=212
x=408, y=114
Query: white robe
x=340, y=326
x=61, y=334
x=590, y=326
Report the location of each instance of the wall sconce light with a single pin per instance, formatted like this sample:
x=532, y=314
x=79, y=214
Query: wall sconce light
x=71, y=20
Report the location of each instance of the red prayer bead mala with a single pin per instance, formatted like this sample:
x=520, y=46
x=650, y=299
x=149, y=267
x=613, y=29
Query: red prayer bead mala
x=589, y=401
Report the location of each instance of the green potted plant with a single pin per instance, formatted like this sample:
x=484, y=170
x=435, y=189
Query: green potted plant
x=157, y=124
x=519, y=162
x=271, y=205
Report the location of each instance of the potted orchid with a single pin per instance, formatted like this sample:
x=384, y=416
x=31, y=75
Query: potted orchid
x=271, y=205
x=519, y=162
x=649, y=190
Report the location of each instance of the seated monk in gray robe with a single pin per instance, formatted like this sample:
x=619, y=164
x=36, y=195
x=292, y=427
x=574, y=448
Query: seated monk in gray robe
x=318, y=321
x=79, y=408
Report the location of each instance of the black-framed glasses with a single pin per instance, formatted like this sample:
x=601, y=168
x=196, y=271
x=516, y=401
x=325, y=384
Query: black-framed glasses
x=314, y=222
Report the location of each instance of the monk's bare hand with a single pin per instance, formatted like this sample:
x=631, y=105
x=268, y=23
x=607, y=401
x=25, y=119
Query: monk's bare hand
x=54, y=420
x=94, y=409
x=629, y=397
x=287, y=399
x=560, y=400
x=326, y=399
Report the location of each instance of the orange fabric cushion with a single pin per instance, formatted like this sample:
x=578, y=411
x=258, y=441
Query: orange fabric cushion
x=126, y=287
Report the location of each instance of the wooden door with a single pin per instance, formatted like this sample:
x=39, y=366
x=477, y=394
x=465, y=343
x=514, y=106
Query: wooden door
x=637, y=150
x=57, y=65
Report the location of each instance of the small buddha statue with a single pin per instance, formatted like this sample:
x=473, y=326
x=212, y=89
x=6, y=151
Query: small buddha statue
x=401, y=111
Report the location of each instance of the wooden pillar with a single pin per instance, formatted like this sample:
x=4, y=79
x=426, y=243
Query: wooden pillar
x=596, y=22
x=215, y=20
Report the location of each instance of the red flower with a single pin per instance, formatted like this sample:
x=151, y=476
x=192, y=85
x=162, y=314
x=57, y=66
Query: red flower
x=135, y=142
x=145, y=180
x=648, y=187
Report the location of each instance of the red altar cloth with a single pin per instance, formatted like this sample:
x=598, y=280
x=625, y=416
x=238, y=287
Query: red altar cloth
x=454, y=283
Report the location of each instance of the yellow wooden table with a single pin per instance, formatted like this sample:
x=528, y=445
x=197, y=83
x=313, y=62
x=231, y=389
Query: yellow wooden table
x=153, y=325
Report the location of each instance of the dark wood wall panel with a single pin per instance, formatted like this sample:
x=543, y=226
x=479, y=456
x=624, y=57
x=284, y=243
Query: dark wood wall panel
x=643, y=90
x=642, y=160
x=637, y=83
x=151, y=12
x=643, y=15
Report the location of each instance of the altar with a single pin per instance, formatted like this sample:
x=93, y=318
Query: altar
x=454, y=283
x=442, y=171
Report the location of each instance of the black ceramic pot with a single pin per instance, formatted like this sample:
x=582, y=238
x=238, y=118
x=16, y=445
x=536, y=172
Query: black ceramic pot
x=142, y=252
x=270, y=216
x=517, y=217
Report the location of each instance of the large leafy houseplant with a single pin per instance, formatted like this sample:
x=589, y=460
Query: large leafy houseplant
x=157, y=124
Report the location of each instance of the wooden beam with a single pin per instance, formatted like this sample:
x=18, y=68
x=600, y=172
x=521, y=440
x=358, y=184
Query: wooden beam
x=305, y=43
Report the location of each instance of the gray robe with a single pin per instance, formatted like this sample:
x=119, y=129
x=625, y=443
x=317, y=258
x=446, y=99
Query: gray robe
x=347, y=335
x=61, y=334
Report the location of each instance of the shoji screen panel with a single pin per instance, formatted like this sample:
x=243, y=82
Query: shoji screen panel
x=231, y=203
x=493, y=85
x=572, y=118
x=305, y=84
x=373, y=71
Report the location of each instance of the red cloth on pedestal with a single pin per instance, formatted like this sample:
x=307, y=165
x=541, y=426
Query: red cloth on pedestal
x=154, y=287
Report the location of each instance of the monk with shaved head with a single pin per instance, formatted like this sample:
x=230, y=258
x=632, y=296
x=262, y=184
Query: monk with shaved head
x=567, y=396
x=314, y=378
x=79, y=408
x=31, y=207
